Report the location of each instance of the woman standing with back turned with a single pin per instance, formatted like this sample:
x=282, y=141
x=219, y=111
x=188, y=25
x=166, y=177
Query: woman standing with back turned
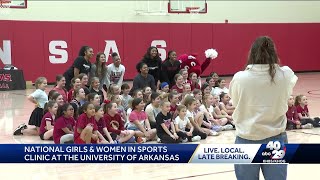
x=260, y=94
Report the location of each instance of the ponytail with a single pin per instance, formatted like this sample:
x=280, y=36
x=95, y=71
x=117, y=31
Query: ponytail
x=263, y=51
x=48, y=105
x=62, y=109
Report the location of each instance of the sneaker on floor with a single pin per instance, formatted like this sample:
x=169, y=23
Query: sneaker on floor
x=217, y=128
x=213, y=133
x=185, y=140
x=25, y=126
x=18, y=130
x=311, y=125
x=141, y=140
x=227, y=127
x=158, y=140
x=196, y=138
x=307, y=126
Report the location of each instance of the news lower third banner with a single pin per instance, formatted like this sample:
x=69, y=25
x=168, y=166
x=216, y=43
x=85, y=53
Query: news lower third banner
x=273, y=152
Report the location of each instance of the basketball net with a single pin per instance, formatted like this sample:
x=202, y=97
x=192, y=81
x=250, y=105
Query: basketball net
x=4, y=3
x=193, y=10
x=5, y=7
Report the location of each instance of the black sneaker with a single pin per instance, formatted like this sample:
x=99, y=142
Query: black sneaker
x=18, y=130
x=25, y=126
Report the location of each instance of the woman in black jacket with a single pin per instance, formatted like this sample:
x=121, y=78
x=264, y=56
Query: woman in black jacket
x=169, y=68
x=82, y=64
x=153, y=60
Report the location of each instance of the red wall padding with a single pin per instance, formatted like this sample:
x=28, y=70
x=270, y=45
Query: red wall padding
x=297, y=43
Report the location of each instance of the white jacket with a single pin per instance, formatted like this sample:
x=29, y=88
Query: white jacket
x=261, y=105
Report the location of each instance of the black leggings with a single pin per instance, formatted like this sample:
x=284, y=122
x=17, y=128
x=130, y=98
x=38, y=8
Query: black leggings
x=184, y=135
x=315, y=123
x=152, y=124
x=291, y=125
x=165, y=138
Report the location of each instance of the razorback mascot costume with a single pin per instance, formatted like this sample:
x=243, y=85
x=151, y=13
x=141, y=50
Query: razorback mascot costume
x=191, y=63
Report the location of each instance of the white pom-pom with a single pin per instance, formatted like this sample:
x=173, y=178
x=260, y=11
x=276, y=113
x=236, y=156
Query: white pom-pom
x=211, y=53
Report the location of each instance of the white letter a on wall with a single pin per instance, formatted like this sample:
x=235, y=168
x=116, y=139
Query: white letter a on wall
x=5, y=52
x=111, y=46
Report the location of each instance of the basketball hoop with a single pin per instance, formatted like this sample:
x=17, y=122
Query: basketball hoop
x=5, y=9
x=5, y=3
x=193, y=10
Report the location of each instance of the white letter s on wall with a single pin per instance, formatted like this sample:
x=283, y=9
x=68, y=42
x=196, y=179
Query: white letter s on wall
x=60, y=52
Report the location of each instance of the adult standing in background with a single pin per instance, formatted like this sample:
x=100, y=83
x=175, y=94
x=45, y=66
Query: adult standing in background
x=169, y=68
x=260, y=94
x=80, y=65
x=153, y=61
x=99, y=69
x=115, y=71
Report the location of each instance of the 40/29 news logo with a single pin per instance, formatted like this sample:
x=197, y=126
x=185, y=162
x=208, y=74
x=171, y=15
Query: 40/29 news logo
x=274, y=152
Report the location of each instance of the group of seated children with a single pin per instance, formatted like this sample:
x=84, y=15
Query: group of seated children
x=85, y=114
x=183, y=113
x=298, y=116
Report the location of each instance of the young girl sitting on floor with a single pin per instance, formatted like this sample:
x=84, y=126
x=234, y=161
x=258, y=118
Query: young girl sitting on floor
x=115, y=125
x=138, y=122
x=165, y=127
x=86, y=126
x=47, y=122
x=225, y=104
x=64, y=125
x=103, y=132
x=39, y=98
x=190, y=103
x=194, y=82
x=183, y=127
x=301, y=103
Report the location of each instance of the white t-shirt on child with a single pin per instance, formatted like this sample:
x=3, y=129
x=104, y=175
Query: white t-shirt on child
x=182, y=123
x=203, y=108
x=218, y=91
x=189, y=114
x=41, y=97
x=129, y=110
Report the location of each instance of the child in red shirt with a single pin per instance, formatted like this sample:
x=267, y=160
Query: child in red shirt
x=173, y=99
x=76, y=84
x=115, y=125
x=301, y=103
x=86, y=126
x=193, y=80
x=179, y=83
x=64, y=125
x=47, y=122
x=103, y=132
x=184, y=74
x=293, y=121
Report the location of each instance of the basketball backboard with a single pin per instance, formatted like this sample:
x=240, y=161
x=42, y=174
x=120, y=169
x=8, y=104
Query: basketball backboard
x=13, y=3
x=151, y=7
x=187, y=6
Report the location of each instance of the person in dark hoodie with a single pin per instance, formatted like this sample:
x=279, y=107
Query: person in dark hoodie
x=153, y=61
x=143, y=79
x=81, y=64
x=169, y=68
